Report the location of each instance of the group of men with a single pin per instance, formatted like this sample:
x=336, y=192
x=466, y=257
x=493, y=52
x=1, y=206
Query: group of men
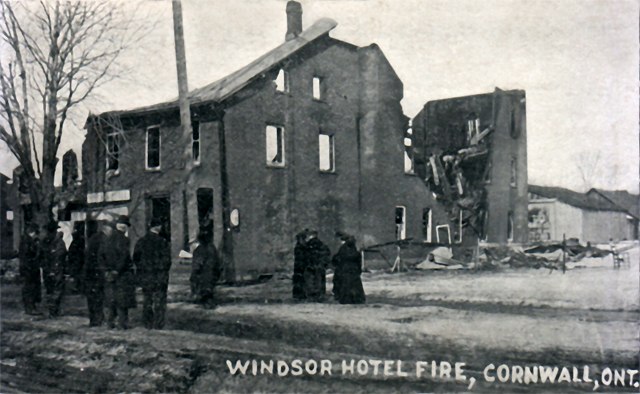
x=42, y=259
x=109, y=274
x=311, y=260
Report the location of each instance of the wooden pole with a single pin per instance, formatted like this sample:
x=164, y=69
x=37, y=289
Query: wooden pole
x=185, y=112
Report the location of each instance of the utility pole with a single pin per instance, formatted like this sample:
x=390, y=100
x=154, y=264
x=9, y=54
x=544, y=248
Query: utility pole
x=185, y=112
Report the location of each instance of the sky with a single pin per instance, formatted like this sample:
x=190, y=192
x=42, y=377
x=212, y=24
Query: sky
x=577, y=60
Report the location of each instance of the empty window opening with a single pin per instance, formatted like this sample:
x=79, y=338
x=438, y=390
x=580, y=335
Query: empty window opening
x=459, y=239
x=409, y=165
x=195, y=141
x=153, y=148
x=401, y=225
x=515, y=131
x=513, y=179
x=113, y=150
x=510, y=226
x=443, y=234
x=427, y=224
x=318, y=88
x=485, y=226
x=487, y=172
x=326, y=148
x=275, y=146
x=282, y=81
x=473, y=128
x=204, y=197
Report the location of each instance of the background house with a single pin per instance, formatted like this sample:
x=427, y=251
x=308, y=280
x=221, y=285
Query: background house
x=589, y=217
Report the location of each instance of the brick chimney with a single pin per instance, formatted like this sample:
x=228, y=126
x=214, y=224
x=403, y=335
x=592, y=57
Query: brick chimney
x=294, y=20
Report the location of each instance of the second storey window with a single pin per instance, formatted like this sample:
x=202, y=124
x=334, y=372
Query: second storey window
x=153, y=148
x=514, y=172
x=282, y=81
x=195, y=141
x=318, y=88
x=113, y=150
x=326, y=150
x=409, y=167
x=275, y=146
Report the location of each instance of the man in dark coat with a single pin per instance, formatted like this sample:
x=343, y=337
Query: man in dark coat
x=205, y=270
x=152, y=258
x=54, y=260
x=315, y=270
x=299, y=261
x=75, y=260
x=94, y=277
x=347, y=285
x=30, y=269
x=114, y=259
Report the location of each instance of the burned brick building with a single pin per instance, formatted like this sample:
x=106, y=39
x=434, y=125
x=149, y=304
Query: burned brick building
x=472, y=153
x=309, y=135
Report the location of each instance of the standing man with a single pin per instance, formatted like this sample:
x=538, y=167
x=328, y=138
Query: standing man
x=53, y=267
x=315, y=271
x=94, y=276
x=347, y=284
x=152, y=258
x=205, y=270
x=119, y=289
x=75, y=259
x=30, y=269
x=299, y=261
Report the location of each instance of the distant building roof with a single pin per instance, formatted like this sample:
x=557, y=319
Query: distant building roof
x=621, y=198
x=224, y=88
x=576, y=199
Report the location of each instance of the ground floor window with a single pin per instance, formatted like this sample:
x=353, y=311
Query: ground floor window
x=401, y=226
x=427, y=224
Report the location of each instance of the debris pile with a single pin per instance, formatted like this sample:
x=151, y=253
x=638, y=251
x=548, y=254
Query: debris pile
x=457, y=177
x=494, y=257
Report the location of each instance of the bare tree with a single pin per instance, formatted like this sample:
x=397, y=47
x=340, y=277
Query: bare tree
x=54, y=57
x=596, y=172
x=589, y=167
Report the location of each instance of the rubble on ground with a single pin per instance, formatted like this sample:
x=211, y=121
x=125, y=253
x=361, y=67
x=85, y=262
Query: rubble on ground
x=549, y=255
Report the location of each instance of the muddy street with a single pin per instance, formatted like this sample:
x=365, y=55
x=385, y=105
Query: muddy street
x=411, y=317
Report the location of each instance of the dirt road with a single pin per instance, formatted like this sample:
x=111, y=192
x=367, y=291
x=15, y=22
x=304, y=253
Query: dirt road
x=520, y=318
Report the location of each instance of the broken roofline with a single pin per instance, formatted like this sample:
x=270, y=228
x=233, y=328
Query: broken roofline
x=496, y=90
x=219, y=91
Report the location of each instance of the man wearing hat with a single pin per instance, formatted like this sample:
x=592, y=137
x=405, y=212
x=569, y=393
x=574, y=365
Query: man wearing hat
x=94, y=275
x=152, y=258
x=30, y=269
x=114, y=260
x=53, y=268
x=318, y=256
